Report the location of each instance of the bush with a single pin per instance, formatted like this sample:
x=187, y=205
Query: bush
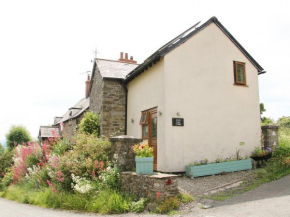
x=110, y=202
x=169, y=204
x=61, y=146
x=6, y=162
x=267, y=121
x=90, y=124
x=185, y=198
x=284, y=122
x=138, y=206
x=17, y=135
x=284, y=137
x=2, y=150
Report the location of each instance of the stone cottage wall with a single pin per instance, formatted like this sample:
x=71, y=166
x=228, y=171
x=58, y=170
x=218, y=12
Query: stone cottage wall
x=96, y=94
x=113, y=108
x=71, y=126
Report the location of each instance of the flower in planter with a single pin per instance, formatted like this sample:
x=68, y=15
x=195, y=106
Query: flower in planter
x=259, y=152
x=143, y=150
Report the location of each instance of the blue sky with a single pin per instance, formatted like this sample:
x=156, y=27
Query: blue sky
x=46, y=46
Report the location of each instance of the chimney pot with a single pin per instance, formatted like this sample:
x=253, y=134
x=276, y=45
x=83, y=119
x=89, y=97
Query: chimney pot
x=121, y=55
x=126, y=56
x=131, y=57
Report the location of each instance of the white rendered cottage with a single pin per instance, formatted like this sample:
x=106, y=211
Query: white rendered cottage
x=196, y=97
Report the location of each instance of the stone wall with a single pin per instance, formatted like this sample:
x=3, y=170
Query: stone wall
x=149, y=185
x=108, y=99
x=271, y=136
x=96, y=94
x=122, y=148
x=113, y=108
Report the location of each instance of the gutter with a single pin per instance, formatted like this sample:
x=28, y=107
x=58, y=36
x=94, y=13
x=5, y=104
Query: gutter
x=126, y=106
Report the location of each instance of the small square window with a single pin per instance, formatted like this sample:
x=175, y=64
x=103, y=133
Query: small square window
x=240, y=73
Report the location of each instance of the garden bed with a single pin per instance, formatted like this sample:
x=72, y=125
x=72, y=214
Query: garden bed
x=217, y=168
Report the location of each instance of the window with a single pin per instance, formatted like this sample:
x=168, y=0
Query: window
x=144, y=123
x=240, y=73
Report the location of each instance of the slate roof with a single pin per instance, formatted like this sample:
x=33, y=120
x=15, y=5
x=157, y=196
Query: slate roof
x=180, y=39
x=114, y=69
x=76, y=110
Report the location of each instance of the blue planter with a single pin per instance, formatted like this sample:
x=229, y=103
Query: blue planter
x=144, y=165
x=217, y=168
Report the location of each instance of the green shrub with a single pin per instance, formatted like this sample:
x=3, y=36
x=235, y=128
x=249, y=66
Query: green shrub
x=267, y=121
x=138, y=206
x=110, y=202
x=17, y=135
x=7, y=179
x=284, y=122
x=90, y=124
x=169, y=204
x=284, y=137
x=185, y=198
x=2, y=150
x=62, y=146
x=6, y=162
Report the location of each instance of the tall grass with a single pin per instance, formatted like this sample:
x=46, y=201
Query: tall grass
x=106, y=202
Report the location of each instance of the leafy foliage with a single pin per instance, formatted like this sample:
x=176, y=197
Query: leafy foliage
x=17, y=135
x=262, y=108
x=6, y=161
x=267, y=121
x=2, y=150
x=169, y=204
x=90, y=124
x=284, y=122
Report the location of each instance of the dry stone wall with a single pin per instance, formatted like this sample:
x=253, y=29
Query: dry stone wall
x=271, y=137
x=149, y=186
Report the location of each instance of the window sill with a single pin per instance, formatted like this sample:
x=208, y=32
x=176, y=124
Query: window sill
x=242, y=85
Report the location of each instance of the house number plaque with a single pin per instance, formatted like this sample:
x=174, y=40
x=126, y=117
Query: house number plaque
x=178, y=122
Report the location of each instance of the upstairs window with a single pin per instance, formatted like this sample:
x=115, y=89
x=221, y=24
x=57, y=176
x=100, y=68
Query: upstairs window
x=144, y=124
x=240, y=73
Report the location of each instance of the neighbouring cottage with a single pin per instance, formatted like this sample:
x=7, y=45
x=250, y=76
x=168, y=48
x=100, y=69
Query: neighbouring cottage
x=69, y=121
x=46, y=132
x=108, y=94
x=196, y=97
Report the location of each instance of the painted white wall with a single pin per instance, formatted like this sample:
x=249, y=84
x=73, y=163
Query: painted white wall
x=145, y=92
x=196, y=79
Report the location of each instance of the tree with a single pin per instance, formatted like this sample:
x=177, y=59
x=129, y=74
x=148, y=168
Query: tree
x=2, y=150
x=262, y=108
x=90, y=124
x=17, y=134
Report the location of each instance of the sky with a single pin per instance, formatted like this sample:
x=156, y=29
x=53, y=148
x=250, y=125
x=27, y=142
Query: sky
x=46, y=47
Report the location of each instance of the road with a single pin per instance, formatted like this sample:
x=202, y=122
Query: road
x=268, y=200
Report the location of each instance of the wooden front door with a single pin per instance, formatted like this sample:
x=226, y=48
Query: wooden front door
x=152, y=137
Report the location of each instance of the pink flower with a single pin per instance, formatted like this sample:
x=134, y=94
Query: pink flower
x=3, y=174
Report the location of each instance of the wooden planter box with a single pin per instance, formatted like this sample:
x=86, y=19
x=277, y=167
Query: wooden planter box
x=217, y=168
x=144, y=165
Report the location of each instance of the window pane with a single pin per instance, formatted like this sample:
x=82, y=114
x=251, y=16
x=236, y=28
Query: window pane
x=240, y=75
x=143, y=118
x=154, y=127
x=144, y=131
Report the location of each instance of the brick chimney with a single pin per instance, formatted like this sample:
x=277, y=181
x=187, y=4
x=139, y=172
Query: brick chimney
x=122, y=59
x=88, y=82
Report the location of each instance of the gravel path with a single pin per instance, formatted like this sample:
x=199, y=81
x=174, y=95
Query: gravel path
x=200, y=185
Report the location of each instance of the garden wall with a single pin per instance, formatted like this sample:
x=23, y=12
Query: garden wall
x=148, y=186
x=271, y=136
x=122, y=149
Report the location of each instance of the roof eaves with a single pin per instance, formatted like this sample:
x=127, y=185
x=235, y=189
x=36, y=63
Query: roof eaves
x=229, y=35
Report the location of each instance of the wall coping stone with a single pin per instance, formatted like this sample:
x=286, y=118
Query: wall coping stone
x=270, y=127
x=125, y=137
x=154, y=176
